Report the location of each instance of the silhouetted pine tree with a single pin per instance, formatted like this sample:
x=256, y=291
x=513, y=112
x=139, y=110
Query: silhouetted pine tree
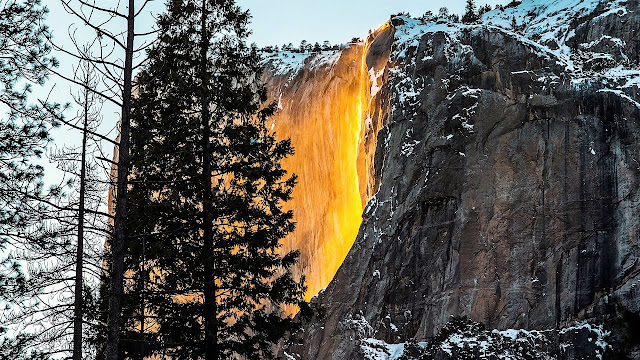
x=23, y=126
x=483, y=10
x=24, y=62
x=206, y=194
x=303, y=46
x=470, y=13
x=443, y=13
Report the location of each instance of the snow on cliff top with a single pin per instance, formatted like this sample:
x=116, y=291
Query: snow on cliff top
x=548, y=27
x=545, y=26
x=548, y=18
x=288, y=62
x=283, y=62
x=543, y=23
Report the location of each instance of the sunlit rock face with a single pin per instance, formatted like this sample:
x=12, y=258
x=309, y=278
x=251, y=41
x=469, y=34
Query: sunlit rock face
x=329, y=106
x=503, y=185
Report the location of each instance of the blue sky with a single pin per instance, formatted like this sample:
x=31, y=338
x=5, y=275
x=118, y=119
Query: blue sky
x=278, y=21
x=275, y=22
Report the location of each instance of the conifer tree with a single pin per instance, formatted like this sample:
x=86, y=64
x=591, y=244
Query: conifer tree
x=58, y=248
x=206, y=194
x=36, y=225
x=24, y=61
x=484, y=9
x=470, y=13
x=303, y=46
x=443, y=13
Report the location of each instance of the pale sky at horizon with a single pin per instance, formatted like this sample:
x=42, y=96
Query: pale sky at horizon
x=276, y=22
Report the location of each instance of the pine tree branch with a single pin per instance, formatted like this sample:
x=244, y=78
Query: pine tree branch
x=98, y=29
x=66, y=122
x=142, y=7
x=105, y=10
x=96, y=92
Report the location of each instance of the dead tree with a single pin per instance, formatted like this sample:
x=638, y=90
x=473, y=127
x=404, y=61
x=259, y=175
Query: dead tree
x=115, y=48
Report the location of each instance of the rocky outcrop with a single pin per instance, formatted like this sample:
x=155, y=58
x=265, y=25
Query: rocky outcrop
x=506, y=179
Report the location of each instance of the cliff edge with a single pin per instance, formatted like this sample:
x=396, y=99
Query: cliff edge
x=503, y=183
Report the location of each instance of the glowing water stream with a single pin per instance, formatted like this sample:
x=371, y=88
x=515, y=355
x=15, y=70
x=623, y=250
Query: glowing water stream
x=323, y=114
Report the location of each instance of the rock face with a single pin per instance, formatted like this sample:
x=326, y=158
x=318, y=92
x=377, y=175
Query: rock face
x=326, y=152
x=330, y=108
x=506, y=177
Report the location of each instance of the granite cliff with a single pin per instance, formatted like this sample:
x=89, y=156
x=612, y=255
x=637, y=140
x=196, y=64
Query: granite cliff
x=496, y=169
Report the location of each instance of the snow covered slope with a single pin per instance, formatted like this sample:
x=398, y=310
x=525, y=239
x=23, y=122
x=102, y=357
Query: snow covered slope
x=594, y=41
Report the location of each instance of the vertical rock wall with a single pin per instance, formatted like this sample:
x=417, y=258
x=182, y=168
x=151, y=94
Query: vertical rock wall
x=505, y=182
x=328, y=111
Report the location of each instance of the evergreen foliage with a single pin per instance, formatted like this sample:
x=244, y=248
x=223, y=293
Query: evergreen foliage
x=470, y=13
x=206, y=196
x=48, y=310
x=427, y=16
x=304, y=46
x=484, y=9
x=443, y=13
x=24, y=61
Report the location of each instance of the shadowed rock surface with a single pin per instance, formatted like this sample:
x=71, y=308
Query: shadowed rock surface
x=506, y=181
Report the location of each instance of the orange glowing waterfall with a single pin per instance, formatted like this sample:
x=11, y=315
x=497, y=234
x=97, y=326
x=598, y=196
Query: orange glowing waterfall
x=323, y=111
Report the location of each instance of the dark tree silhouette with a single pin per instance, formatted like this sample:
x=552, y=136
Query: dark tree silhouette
x=470, y=13
x=24, y=61
x=121, y=43
x=206, y=194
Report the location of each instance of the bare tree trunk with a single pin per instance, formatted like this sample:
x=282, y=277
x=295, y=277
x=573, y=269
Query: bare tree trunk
x=78, y=303
x=212, y=351
x=141, y=288
x=120, y=236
